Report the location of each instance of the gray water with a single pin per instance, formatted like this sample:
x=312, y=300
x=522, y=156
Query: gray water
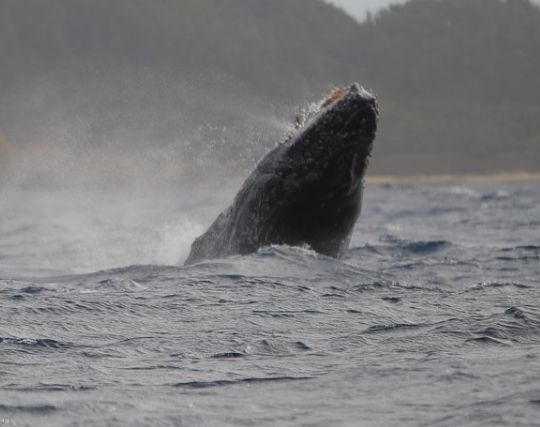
x=433, y=317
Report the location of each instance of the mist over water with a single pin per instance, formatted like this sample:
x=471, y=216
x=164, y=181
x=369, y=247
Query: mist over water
x=59, y=232
x=136, y=130
x=96, y=188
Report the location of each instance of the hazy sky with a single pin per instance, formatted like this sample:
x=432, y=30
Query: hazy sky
x=358, y=8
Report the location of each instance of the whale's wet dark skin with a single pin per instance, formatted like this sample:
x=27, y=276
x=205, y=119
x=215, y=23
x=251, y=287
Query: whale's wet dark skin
x=307, y=191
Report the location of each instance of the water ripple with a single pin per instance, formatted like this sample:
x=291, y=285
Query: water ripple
x=252, y=380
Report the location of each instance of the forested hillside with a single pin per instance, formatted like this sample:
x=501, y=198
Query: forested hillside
x=457, y=79
x=267, y=45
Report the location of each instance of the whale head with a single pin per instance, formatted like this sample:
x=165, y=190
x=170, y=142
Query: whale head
x=334, y=146
x=321, y=170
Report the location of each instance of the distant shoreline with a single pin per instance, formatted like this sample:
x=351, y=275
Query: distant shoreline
x=493, y=178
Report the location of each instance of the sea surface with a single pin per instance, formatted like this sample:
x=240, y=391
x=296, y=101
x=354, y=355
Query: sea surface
x=432, y=318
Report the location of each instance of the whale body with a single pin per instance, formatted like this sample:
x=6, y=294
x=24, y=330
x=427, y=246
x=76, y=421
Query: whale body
x=307, y=190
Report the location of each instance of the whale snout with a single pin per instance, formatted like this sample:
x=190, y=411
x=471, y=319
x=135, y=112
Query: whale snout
x=364, y=120
x=362, y=108
x=359, y=90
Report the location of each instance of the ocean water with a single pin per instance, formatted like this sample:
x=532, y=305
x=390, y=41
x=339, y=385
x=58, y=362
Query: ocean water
x=433, y=317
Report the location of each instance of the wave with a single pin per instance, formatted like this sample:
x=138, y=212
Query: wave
x=36, y=342
x=29, y=409
x=520, y=253
x=49, y=387
x=249, y=380
x=445, y=179
x=394, y=244
x=514, y=325
x=488, y=285
x=393, y=327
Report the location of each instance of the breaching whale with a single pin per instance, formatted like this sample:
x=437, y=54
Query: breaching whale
x=307, y=190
